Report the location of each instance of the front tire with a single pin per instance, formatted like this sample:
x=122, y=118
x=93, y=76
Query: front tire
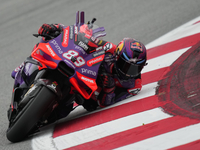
x=31, y=114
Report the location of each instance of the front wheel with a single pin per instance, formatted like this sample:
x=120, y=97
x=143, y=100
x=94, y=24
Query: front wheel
x=29, y=116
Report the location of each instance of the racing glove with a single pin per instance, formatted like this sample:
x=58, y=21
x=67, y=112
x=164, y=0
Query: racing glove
x=50, y=30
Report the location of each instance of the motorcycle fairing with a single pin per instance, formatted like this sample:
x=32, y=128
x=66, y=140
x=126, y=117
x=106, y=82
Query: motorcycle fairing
x=63, y=48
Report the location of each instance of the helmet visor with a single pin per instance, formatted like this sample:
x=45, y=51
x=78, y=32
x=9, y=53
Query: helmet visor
x=128, y=68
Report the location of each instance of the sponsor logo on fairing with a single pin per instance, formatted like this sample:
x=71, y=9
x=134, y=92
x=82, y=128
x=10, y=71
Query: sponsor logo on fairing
x=50, y=50
x=99, y=48
x=71, y=33
x=86, y=79
x=96, y=41
x=65, y=37
x=88, y=71
x=57, y=46
x=95, y=60
x=80, y=49
x=108, y=46
x=98, y=53
x=83, y=45
x=75, y=33
x=75, y=30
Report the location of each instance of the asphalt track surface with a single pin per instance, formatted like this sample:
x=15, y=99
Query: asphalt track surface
x=140, y=19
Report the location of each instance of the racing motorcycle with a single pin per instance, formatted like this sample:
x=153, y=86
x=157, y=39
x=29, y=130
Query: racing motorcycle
x=58, y=70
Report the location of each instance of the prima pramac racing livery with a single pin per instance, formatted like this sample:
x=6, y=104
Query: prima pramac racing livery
x=58, y=70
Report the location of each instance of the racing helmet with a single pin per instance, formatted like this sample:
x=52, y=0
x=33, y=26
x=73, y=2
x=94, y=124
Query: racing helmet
x=130, y=58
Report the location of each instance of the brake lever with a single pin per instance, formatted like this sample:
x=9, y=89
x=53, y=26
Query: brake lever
x=36, y=35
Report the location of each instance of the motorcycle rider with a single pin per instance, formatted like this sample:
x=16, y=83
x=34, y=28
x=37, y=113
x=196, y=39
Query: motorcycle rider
x=119, y=74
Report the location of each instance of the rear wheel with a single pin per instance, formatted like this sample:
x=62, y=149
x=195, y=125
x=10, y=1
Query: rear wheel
x=29, y=116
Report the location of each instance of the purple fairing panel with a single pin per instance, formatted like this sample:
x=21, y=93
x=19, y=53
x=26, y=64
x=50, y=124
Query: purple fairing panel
x=18, y=79
x=28, y=70
x=14, y=72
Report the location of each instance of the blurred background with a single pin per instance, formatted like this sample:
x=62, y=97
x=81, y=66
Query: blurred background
x=19, y=19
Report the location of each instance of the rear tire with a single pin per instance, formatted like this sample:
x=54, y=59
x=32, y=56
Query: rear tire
x=31, y=114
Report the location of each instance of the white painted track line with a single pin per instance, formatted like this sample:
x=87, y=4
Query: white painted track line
x=168, y=140
x=109, y=128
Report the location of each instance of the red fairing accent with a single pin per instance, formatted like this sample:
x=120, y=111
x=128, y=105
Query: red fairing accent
x=91, y=83
x=46, y=48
